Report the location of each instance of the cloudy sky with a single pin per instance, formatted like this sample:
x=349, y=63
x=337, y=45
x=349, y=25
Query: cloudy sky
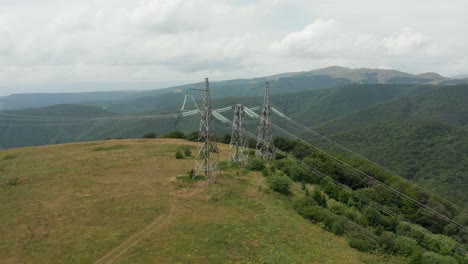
x=67, y=46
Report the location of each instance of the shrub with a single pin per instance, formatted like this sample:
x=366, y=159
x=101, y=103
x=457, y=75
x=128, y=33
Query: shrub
x=265, y=172
x=404, y=246
x=109, y=148
x=179, y=155
x=273, y=169
x=13, y=181
x=256, y=165
x=150, y=135
x=280, y=184
x=362, y=240
x=319, y=198
x=190, y=173
x=9, y=157
x=434, y=258
x=359, y=244
x=17, y=181
x=334, y=225
x=386, y=241
x=187, y=152
x=174, y=134
x=192, y=136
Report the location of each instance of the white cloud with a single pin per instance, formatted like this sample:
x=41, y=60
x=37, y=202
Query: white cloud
x=325, y=38
x=49, y=41
x=406, y=41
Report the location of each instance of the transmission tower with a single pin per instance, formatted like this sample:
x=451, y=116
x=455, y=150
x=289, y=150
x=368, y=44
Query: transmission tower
x=238, y=139
x=206, y=160
x=263, y=147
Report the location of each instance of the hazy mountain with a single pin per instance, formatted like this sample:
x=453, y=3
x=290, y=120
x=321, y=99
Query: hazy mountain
x=364, y=75
x=280, y=83
x=34, y=100
x=460, y=76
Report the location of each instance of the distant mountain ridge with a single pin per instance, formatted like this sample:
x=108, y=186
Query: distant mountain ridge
x=280, y=83
x=419, y=131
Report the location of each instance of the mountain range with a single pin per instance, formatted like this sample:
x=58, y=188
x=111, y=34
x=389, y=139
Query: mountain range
x=415, y=125
x=281, y=83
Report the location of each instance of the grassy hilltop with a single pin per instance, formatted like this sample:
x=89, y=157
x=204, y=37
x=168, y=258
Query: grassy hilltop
x=130, y=201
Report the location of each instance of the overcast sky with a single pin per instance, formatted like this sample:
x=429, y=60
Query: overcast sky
x=67, y=46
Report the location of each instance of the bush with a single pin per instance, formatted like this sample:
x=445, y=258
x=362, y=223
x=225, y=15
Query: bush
x=280, y=184
x=334, y=225
x=179, y=155
x=17, y=181
x=150, y=135
x=319, y=198
x=434, y=258
x=386, y=241
x=256, y=165
x=359, y=244
x=273, y=169
x=9, y=157
x=192, y=136
x=362, y=240
x=265, y=172
x=174, y=134
x=404, y=246
x=187, y=152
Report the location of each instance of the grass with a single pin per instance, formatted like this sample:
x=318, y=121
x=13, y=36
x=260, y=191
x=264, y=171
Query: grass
x=137, y=205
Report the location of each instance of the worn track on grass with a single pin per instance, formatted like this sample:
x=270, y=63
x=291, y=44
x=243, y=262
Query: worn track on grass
x=133, y=240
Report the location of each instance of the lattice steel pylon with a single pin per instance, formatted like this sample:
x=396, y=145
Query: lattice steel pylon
x=237, y=153
x=263, y=147
x=207, y=158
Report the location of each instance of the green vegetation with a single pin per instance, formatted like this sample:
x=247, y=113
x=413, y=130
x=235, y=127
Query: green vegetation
x=187, y=152
x=179, y=154
x=9, y=157
x=256, y=165
x=418, y=131
x=136, y=205
x=174, y=134
x=366, y=228
x=150, y=135
x=422, y=138
x=109, y=148
x=280, y=183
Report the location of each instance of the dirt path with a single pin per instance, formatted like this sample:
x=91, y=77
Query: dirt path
x=118, y=251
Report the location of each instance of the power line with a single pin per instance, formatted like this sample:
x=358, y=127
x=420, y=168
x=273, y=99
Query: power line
x=369, y=201
x=364, y=158
x=389, y=188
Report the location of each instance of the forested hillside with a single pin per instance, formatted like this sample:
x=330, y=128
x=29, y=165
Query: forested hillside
x=422, y=138
x=417, y=131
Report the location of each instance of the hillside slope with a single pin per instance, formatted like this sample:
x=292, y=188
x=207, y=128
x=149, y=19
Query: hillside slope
x=422, y=138
x=57, y=124
x=130, y=201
